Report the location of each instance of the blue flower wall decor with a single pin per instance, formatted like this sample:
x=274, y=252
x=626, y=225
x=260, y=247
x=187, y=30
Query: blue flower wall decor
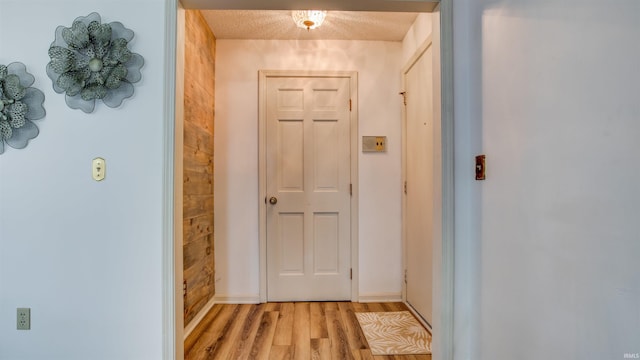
x=19, y=104
x=91, y=61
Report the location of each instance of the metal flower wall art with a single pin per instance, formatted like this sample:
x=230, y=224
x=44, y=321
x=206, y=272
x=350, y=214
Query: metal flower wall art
x=91, y=61
x=19, y=104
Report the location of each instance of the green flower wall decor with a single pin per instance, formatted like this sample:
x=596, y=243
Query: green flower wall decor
x=19, y=104
x=91, y=61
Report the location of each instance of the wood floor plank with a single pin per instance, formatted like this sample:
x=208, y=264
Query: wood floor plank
x=264, y=335
x=272, y=306
x=281, y=352
x=337, y=335
x=365, y=354
x=284, y=328
x=360, y=307
x=301, y=338
x=402, y=357
x=249, y=331
x=208, y=341
x=318, y=325
x=395, y=306
x=204, y=324
x=321, y=349
x=357, y=340
x=375, y=307
x=226, y=342
x=330, y=306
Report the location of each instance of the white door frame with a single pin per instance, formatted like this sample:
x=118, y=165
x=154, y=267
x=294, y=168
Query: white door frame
x=172, y=302
x=171, y=261
x=263, y=75
x=446, y=316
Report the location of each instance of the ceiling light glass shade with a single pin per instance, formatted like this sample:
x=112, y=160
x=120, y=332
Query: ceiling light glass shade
x=308, y=19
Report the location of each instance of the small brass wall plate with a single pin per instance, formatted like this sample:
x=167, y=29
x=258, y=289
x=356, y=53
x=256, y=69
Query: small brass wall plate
x=374, y=143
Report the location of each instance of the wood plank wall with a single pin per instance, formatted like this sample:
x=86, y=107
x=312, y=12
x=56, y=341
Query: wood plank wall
x=199, y=82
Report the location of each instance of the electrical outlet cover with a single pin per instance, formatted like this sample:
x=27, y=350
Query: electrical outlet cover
x=24, y=319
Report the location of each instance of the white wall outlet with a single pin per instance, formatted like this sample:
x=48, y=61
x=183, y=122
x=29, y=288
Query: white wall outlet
x=24, y=319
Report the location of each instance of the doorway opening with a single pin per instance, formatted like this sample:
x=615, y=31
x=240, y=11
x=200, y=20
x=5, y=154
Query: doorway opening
x=445, y=293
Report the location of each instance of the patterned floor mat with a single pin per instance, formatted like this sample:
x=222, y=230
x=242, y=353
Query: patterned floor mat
x=394, y=333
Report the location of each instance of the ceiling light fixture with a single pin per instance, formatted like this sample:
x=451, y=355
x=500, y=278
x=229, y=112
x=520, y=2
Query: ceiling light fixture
x=308, y=19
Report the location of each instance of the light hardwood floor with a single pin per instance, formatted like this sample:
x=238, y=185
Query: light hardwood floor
x=302, y=330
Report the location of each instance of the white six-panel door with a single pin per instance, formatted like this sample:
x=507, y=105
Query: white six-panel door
x=308, y=188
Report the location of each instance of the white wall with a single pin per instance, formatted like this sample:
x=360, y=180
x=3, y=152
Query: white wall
x=236, y=161
x=84, y=256
x=547, y=247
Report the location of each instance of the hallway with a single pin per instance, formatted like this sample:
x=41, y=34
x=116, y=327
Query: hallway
x=316, y=330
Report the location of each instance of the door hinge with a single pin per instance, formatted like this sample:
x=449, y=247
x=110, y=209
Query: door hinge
x=405, y=188
x=350, y=108
x=351, y=273
x=405, y=276
x=404, y=97
x=351, y=189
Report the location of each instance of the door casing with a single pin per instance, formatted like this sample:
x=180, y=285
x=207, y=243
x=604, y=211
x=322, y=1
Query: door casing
x=262, y=171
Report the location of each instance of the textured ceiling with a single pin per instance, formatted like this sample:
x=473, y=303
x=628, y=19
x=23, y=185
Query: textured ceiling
x=338, y=25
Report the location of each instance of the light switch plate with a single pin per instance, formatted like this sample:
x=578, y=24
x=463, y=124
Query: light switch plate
x=99, y=169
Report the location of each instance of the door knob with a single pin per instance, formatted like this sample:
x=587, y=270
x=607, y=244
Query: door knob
x=273, y=200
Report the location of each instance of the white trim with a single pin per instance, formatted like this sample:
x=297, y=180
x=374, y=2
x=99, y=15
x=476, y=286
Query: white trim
x=262, y=172
x=237, y=299
x=448, y=221
x=419, y=317
x=381, y=297
x=178, y=173
x=171, y=264
x=444, y=338
x=262, y=185
x=198, y=318
x=416, y=55
x=355, y=194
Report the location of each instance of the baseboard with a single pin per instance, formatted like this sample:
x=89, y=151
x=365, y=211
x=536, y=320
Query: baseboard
x=380, y=297
x=424, y=322
x=242, y=299
x=199, y=316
